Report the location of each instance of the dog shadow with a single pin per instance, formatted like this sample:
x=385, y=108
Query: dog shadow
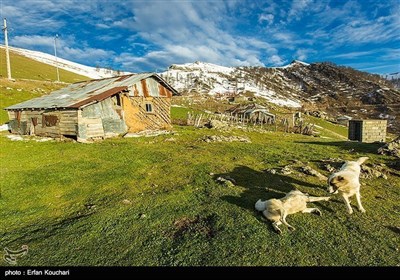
x=262, y=185
x=394, y=229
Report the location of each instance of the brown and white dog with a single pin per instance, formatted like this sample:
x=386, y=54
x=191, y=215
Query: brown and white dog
x=295, y=201
x=346, y=182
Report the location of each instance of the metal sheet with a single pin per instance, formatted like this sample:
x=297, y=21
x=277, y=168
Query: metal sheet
x=79, y=94
x=100, y=96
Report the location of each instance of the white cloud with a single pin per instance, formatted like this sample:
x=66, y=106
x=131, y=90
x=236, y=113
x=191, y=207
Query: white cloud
x=362, y=31
x=232, y=32
x=67, y=48
x=269, y=18
x=194, y=32
x=85, y=54
x=303, y=54
x=351, y=55
x=298, y=8
x=33, y=40
x=102, y=26
x=109, y=37
x=276, y=60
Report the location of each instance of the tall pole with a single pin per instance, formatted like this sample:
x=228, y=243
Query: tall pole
x=55, y=54
x=7, y=53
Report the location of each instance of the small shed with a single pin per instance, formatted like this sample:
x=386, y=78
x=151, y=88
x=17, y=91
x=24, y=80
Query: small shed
x=367, y=131
x=252, y=112
x=97, y=109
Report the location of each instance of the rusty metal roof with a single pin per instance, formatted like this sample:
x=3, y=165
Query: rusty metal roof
x=82, y=93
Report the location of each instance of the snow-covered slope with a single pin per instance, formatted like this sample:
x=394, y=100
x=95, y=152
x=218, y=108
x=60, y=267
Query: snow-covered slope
x=214, y=79
x=91, y=72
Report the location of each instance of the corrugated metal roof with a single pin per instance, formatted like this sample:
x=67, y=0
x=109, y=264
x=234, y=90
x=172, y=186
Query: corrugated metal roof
x=79, y=94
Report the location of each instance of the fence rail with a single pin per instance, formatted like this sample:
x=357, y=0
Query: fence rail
x=281, y=122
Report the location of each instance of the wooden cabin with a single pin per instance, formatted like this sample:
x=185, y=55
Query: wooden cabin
x=97, y=109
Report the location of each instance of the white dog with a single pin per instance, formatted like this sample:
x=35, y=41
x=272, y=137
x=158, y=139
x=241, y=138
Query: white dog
x=295, y=201
x=346, y=182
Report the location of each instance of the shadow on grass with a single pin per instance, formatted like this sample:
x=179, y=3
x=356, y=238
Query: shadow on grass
x=349, y=146
x=260, y=185
x=394, y=229
x=43, y=230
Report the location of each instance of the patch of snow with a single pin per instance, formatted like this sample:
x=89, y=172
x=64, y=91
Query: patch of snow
x=203, y=66
x=4, y=127
x=15, y=137
x=91, y=72
x=43, y=139
x=293, y=63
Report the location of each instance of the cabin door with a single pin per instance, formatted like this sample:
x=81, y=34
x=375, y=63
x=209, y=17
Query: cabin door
x=357, y=131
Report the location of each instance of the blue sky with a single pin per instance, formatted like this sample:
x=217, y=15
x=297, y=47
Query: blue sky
x=150, y=35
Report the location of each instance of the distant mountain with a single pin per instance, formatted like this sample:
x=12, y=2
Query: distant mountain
x=91, y=72
x=391, y=76
x=394, y=79
x=207, y=78
x=337, y=90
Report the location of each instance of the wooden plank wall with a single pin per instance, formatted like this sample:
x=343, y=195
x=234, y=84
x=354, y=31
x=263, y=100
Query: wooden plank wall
x=31, y=123
x=137, y=119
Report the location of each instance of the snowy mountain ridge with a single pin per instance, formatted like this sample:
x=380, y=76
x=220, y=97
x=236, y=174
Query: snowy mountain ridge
x=212, y=79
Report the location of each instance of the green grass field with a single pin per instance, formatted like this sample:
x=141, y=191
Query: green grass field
x=155, y=201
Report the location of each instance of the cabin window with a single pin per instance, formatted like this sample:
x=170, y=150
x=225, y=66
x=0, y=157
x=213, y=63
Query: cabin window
x=49, y=120
x=149, y=108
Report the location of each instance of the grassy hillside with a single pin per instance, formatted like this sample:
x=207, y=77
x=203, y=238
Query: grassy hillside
x=331, y=129
x=13, y=92
x=25, y=68
x=32, y=79
x=155, y=201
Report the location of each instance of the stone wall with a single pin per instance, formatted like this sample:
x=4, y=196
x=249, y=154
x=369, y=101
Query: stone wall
x=367, y=131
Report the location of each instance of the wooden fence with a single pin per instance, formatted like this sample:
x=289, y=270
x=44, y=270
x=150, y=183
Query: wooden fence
x=282, y=122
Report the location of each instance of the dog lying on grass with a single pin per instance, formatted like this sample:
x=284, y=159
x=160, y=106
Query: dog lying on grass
x=346, y=182
x=295, y=201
